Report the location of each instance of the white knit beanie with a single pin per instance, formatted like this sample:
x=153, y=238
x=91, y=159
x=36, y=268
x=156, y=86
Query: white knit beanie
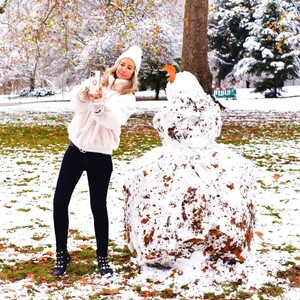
x=135, y=54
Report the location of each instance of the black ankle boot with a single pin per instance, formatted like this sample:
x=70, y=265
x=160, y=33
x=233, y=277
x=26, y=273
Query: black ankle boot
x=62, y=259
x=103, y=266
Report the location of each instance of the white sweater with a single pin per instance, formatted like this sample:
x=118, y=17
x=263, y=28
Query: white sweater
x=96, y=126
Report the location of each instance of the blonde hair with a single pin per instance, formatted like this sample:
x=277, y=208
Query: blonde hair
x=132, y=82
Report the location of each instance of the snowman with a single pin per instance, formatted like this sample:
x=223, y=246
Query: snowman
x=192, y=194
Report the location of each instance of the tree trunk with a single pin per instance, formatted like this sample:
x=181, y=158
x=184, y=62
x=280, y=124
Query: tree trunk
x=195, y=43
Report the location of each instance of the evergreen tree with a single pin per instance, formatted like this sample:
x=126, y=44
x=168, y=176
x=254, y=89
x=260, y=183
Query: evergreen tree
x=272, y=46
x=227, y=33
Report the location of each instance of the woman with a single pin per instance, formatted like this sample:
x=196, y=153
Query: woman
x=94, y=133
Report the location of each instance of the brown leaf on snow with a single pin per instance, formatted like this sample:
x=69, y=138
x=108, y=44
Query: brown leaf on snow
x=238, y=251
x=230, y=186
x=175, y=271
x=216, y=231
x=228, y=245
x=213, y=265
x=167, y=178
x=148, y=294
x=276, y=176
x=145, y=220
x=28, y=286
x=259, y=234
x=108, y=291
x=264, y=250
x=84, y=280
x=130, y=275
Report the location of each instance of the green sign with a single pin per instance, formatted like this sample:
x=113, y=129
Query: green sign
x=225, y=93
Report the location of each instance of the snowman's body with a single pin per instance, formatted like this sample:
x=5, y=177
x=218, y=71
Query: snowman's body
x=192, y=194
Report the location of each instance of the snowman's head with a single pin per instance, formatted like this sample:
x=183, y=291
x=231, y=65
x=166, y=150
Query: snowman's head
x=184, y=83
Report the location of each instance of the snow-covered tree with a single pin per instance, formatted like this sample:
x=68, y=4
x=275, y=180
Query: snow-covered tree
x=272, y=46
x=156, y=26
x=35, y=39
x=60, y=41
x=227, y=34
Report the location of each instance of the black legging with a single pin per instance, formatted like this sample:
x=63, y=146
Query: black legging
x=99, y=168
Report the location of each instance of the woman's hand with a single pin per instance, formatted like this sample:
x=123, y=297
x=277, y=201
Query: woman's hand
x=92, y=97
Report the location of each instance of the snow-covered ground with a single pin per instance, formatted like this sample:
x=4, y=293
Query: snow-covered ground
x=28, y=181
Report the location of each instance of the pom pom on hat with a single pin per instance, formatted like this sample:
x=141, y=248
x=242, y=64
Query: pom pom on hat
x=135, y=54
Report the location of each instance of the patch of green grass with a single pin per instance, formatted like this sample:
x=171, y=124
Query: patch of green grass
x=167, y=293
x=24, y=209
x=78, y=236
x=270, y=289
x=41, y=269
x=83, y=263
x=137, y=137
x=292, y=274
x=38, y=137
x=43, y=208
x=272, y=212
x=290, y=249
x=38, y=237
x=19, y=227
x=239, y=133
x=243, y=295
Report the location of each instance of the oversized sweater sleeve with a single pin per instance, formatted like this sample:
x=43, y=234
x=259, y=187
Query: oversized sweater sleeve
x=116, y=112
x=78, y=101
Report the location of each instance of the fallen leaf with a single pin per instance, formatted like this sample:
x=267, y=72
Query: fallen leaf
x=238, y=251
x=264, y=250
x=259, y=234
x=108, y=291
x=213, y=265
x=2, y=248
x=84, y=281
x=276, y=176
x=145, y=220
x=230, y=186
x=148, y=294
x=30, y=276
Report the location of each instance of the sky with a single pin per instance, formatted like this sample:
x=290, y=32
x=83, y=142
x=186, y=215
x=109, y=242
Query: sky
x=28, y=181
